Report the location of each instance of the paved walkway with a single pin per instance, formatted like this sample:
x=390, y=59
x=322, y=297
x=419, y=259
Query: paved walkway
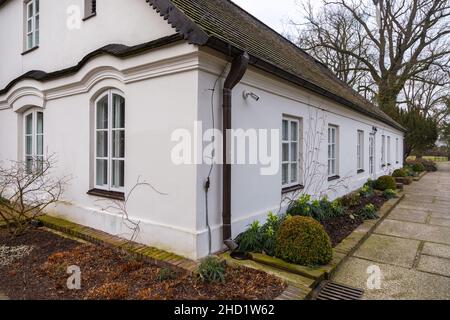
x=411, y=246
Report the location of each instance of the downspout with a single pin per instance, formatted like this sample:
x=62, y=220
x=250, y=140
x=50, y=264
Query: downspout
x=237, y=71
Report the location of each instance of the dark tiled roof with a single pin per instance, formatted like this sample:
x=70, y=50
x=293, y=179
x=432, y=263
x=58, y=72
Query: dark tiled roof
x=224, y=21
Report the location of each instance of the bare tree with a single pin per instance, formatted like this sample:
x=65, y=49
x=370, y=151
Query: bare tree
x=27, y=190
x=399, y=40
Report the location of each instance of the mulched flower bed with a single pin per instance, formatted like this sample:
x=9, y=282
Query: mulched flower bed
x=339, y=228
x=41, y=273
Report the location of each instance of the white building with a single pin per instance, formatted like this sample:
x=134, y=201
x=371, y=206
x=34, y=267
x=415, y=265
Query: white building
x=104, y=84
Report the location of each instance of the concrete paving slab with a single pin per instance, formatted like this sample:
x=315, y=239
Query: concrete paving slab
x=434, y=265
x=440, y=215
x=412, y=230
x=440, y=222
x=396, y=282
x=409, y=215
x=436, y=249
x=390, y=250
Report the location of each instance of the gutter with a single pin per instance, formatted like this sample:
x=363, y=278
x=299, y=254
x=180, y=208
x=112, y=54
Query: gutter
x=237, y=71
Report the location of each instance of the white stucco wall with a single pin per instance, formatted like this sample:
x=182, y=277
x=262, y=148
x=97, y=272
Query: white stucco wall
x=254, y=195
x=129, y=22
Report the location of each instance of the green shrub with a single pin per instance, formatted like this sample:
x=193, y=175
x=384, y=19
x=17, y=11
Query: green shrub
x=165, y=274
x=320, y=210
x=399, y=173
x=389, y=194
x=368, y=212
x=409, y=171
x=428, y=165
x=385, y=182
x=418, y=167
x=366, y=190
x=302, y=240
x=251, y=240
x=212, y=269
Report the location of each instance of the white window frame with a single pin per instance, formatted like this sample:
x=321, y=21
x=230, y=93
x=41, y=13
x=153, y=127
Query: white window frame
x=34, y=155
x=388, y=147
x=109, y=130
x=32, y=21
x=333, y=151
x=372, y=144
x=383, y=151
x=289, y=142
x=360, y=150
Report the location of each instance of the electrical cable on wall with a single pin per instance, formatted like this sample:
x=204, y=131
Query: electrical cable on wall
x=208, y=179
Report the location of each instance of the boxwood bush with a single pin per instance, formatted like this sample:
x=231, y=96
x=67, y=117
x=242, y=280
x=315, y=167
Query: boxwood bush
x=418, y=167
x=302, y=240
x=399, y=173
x=385, y=182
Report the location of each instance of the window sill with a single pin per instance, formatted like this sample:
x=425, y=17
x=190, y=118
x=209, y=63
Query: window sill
x=333, y=178
x=89, y=16
x=292, y=188
x=360, y=171
x=114, y=195
x=30, y=50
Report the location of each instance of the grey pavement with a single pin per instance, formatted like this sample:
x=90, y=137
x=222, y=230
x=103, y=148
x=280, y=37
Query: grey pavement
x=411, y=246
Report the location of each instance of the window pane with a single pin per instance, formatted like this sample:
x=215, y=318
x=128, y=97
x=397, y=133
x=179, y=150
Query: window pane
x=30, y=41
x=36, y=42
x=293, y=172
x=29, y=124
x=294, y=131
x=102, y=113
x=294, y=151
x=285, y=134
x=118, y=112
x=36, y=24
x=40, y=145
x=285, y=170
x=29, y=164
x=40, y=123
x=37, y=6
x=285, y=152
x=28, y=145
x=118, y=144
x=102, y=172
x=102, y=144
x=118, y=173
x=29, y=26
x=30, y=9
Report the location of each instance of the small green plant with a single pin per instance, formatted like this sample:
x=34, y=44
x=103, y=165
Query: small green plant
x=319, y=209
x=212, y=269
x=300, y=207
x=418, y=167
x=251, y=240
x=366, y=191
x=351, y=200
x=302, y=240
x=399, y=173
x=269, y=231
x=385, y=182
x=368, y=212
x=165, y=274
x=389, y=194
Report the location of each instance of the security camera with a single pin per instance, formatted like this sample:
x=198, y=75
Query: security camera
x=252, y=95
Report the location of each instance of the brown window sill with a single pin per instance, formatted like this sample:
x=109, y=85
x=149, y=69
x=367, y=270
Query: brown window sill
x=89, y=16
x=360, y=171
x=30, y=50
x=114, y=195
x=333, y=178
x=292, y=188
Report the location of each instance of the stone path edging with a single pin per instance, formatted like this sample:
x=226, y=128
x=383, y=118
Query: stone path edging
x=155, y=256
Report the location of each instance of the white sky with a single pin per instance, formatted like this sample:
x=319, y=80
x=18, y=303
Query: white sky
x=272, y=12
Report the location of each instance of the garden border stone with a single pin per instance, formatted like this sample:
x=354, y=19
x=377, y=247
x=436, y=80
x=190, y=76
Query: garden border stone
x=420, y=176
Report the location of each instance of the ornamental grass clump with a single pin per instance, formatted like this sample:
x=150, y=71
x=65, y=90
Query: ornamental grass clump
x=385, y=182
x=302, y=240
x=212, y=269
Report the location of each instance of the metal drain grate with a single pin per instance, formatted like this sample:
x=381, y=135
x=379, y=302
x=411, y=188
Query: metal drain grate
x=336, y=291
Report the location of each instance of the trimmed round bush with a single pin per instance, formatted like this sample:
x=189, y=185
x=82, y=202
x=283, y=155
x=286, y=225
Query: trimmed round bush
x=385, y=182
x=418, y=167
x=303, y=240
x=399, y=173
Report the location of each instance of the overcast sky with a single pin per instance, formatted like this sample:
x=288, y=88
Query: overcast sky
x=271, y=12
